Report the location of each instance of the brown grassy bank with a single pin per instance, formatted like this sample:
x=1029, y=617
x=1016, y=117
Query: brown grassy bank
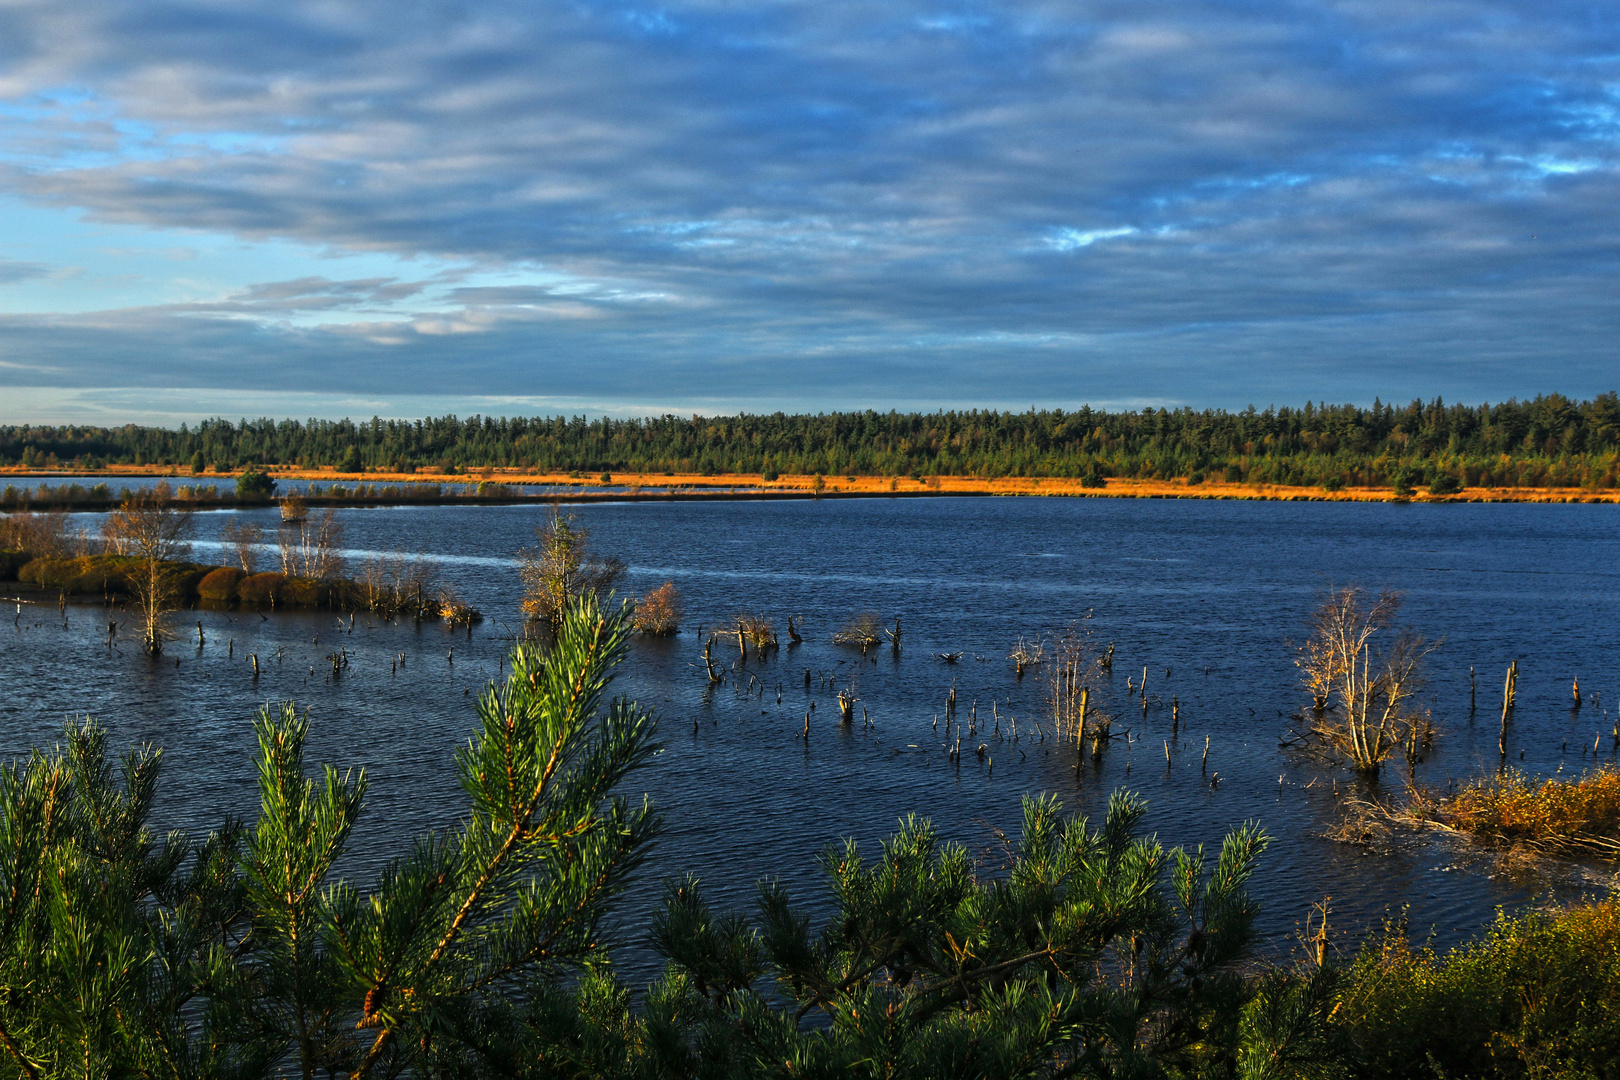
x=665, y=486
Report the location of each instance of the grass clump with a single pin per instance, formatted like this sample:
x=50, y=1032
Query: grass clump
x=864, y=631
x=1537, y=996
x=1556, y=815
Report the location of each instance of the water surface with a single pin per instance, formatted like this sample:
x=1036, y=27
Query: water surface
x=1206, y=595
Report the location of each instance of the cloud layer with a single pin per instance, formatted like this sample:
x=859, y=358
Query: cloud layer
x=805, y=205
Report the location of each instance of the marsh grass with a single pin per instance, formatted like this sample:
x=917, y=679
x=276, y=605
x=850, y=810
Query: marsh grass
x=1555, y=815
x=759, y=629
x=1537, y=996
x=864, y=631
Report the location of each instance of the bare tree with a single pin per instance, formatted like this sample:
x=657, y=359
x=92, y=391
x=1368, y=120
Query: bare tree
x=561, y=568
x=243, y=538
x=151, y=528
x=312, y=548
x=38, y=534
x=1026, y=654
x=1361, y=699
x=397, y=583
x=1072, y=668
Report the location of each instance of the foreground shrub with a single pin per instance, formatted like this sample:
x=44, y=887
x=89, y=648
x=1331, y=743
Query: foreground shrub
x=303, y=592
x=126, y=955
x=92, y=574
x=1539, y=996
x=220, y=584
x=260, y=588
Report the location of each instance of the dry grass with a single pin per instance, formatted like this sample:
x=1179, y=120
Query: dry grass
x=758, y=629
x=865, y=631
x=1579, y=816
x=1364, y=824
x=945, y=485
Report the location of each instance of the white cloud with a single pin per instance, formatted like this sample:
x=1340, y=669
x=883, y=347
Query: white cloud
x=1075, y=239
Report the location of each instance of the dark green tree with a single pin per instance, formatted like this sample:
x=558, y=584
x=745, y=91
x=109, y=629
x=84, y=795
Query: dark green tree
x=254, y=486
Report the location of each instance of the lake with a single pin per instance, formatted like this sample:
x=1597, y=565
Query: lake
x=1207, y=595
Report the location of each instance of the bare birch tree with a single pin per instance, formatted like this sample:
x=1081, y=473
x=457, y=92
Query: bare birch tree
x=311, y=548
x=243, y=538
x=1072, y=667
x=151, y=528
x=1362, y=700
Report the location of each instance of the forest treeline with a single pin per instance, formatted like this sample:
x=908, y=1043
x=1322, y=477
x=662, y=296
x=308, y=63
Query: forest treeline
x=1551, y=441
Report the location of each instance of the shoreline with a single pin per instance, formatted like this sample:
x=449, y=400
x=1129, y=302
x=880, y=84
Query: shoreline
x=632, y=487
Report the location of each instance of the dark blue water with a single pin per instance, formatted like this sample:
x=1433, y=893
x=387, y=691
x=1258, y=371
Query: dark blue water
x=1212, y=592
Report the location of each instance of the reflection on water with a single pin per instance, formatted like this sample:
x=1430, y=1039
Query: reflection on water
x=1206, y=595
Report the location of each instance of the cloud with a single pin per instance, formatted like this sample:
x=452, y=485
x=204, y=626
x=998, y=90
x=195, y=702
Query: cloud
x=908, y=203
x=14, y=270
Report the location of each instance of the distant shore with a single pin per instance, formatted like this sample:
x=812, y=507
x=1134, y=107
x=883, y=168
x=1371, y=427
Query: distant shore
x=695, y=487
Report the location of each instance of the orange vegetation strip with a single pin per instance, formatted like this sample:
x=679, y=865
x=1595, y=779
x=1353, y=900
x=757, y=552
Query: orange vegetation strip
x=1511, y=807
x=878, y=485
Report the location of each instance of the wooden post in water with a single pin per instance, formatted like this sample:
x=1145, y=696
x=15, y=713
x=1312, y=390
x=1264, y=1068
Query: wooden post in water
x=199, y=636
x=1576, y=691
x=255, y=667
x=1143, y=688
x=1085, y=703
x=708, y=662
x=1507, y=711
x=1175, y=714
x=1205, y=766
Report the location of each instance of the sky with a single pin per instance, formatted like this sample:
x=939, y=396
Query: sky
x=334, y=208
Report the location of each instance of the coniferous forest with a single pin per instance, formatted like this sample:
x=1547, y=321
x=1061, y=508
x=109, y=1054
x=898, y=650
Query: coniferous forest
x=1550, y=441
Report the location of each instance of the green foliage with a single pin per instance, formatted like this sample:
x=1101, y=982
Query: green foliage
x=107, y=933
x=1537, y=996
x=82, y=574
x=254, y=486
x=122, y=955
x=1406, y=480
x=1094, y=953
x=1445, y=484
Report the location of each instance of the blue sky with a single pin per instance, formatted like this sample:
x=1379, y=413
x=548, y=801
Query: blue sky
x=337, y=208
